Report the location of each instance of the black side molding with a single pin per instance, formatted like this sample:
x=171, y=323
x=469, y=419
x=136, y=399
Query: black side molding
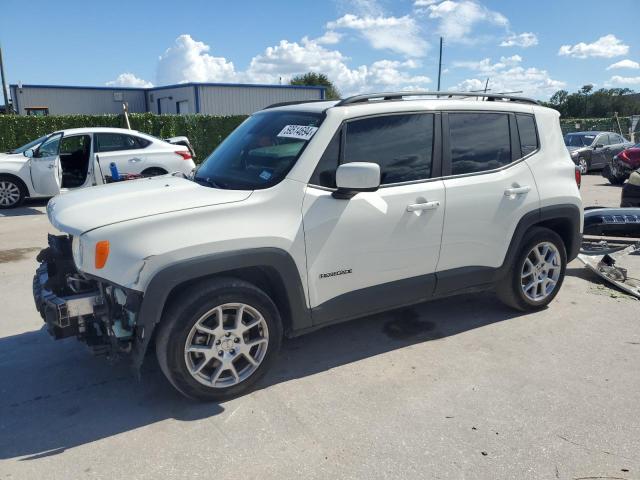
x=165, y=281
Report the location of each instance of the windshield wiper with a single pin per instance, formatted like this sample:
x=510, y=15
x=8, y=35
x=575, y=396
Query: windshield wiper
x=207, y=182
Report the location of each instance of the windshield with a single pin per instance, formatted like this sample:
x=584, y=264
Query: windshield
x=29, y=145
x=260, y=152
x=578, y=140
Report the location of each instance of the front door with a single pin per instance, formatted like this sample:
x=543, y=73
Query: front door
x=600, y=156
x=489, y=190
x=378, y=249
x=45, y=168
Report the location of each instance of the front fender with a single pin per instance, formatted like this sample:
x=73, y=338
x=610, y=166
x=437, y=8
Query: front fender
x=166, y=280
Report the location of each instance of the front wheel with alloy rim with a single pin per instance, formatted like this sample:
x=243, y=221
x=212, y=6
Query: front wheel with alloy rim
x=215, y=342
x=536, y=276
x=583, y=165
x=11, y=192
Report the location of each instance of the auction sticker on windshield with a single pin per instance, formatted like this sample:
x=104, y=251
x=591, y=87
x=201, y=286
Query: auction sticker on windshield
x=301, y=132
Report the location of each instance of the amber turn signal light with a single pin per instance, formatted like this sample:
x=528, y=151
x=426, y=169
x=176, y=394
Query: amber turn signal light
x=102, y=253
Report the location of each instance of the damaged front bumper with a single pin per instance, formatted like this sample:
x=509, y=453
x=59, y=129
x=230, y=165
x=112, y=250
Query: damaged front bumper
x=99, y=313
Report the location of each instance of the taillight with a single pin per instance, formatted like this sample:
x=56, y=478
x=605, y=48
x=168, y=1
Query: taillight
x=578, y=177
x=623, y=156
x=184, y=154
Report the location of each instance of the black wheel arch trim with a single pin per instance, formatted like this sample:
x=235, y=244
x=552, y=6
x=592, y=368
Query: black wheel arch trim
x=173, y=276
x=563, y=212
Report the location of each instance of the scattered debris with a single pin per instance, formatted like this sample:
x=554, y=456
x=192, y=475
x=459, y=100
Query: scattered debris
x=620, y=268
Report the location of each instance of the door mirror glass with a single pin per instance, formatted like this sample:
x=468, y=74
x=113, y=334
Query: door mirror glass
x=355, y=177
x=598, y=145
x=28, y=153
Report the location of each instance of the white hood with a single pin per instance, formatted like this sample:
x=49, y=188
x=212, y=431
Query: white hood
x=89, y=208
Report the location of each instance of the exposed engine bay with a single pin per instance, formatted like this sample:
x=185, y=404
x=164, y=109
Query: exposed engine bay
x=71, y=303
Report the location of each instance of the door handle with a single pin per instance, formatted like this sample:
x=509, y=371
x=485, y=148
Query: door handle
x=510, y=192
x=52, y=166
x=416, y=207
x=135, y=159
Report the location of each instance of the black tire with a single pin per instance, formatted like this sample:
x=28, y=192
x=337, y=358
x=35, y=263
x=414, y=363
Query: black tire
x=183, y=313
x=153, y=172
x=510, y=289
x=12, y=183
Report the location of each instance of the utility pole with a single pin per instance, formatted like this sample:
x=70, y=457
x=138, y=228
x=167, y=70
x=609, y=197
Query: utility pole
x=4, y=85
x=486, y=85
x=440, y=65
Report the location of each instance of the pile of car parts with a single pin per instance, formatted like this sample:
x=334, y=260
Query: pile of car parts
x=607, y=249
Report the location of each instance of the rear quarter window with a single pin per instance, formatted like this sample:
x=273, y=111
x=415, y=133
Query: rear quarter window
x=528, y=134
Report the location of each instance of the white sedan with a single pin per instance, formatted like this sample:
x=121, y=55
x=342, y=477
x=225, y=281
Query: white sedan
x=81, y=157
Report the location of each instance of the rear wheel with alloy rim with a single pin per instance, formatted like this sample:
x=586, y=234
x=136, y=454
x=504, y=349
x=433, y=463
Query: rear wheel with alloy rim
x=11, y=192
x=217, y=341
x=535, y=277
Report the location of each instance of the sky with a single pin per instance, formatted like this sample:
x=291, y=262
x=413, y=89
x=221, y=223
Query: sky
x=536, y=46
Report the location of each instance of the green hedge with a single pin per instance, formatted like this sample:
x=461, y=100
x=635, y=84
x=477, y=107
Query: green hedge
x=204, y=131
x=585, y=124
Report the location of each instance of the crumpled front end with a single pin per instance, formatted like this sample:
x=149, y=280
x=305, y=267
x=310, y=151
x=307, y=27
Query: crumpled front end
x=98, y=313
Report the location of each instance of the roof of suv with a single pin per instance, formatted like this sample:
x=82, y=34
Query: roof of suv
x=404, y=96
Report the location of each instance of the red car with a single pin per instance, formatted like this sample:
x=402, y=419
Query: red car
x=622, y=165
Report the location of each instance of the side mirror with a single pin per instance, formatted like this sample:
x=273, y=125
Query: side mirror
x=355, y=177
x=598, y=145
x=28, y=153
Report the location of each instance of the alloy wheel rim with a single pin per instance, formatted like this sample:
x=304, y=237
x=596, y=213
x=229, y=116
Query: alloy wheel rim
x=226, y=345
x=541, y=271
x=583, y=166
x=9, y=193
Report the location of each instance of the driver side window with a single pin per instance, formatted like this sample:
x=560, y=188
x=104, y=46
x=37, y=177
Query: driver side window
x=49, y=148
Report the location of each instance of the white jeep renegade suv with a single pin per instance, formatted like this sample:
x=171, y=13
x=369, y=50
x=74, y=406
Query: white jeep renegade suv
x=310, y=214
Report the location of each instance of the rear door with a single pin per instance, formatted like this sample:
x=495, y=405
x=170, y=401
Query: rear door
x=489, y=188
x=45, y=168
x=616, y=144
x=126, y=151
x=378, y=249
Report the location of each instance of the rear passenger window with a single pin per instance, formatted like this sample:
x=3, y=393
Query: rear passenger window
x=479, y=142
x=528, y=135
x=401, y=144
x=112, y=142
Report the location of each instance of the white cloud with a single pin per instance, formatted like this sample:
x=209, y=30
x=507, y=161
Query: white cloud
x=618, y=80
x=188, y=60
x=424, y=3
x=508, y=75
x=129, y=80
x=291, y=58
x=485, y=65
x=458, y=17
x=523, y=40
x=397, y=34
x=607, y=47
x=625, y=64
x=329, y=38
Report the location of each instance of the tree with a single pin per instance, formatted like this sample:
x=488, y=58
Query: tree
x=559, y=98
x=314, y=79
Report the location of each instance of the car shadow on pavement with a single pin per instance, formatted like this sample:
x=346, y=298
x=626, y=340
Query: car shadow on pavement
x=55, y=396
x=27, y=208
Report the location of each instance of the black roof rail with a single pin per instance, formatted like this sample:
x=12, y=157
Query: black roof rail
x=387, y=96
x=294, y=102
